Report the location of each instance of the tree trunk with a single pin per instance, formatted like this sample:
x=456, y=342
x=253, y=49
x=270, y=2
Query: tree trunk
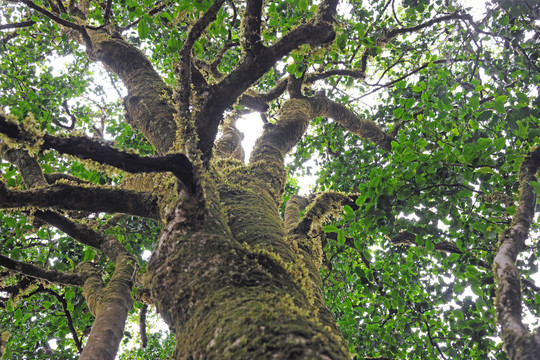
x=240, y=291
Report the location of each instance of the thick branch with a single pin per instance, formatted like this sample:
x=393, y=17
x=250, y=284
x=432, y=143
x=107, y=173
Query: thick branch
x=519, y=343
x=230, y=143
x=40, y=272
x=149, y=108
x=81, y=198
x=107, y=14
x=86, y=148
x=364, y=128
x=295, y=114
x=110, y=305
x=142, y=326
x=252, y=27
x=294, y=205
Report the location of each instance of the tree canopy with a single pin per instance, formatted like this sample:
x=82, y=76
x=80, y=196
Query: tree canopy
x=419, y=239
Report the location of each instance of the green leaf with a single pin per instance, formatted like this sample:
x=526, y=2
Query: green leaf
x=342, y=40
x=453, y=257
x=482, y=144
x=486, y=115
x=349, y=212
x=89, y=255
x=398, y=112
x=499, y=107
x=477, y=290
x=474, y=102
x=458, y=288
x=341, y=237
x=536, y=187
x=18, y=314
x=361, y=199
x=485, y=170
x=174, y=44
x=198, y=48
x=330, y=228
x=47, y=304
x=291, y=69
x=143, y=27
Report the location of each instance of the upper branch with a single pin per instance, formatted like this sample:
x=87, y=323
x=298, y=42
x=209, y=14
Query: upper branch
x=318, y=30
x=108, y=11
x=41, y=273
x=194, y=34
x=394, y=32
x=53, y=17
x=294, y=117
x=156, y=9
x=252, y=27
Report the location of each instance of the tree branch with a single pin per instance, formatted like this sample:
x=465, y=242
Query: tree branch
x=63, y=196
x=53, y=17
x=156, y=9
x=67, y=313
x=142, y=326
x=86, y=148
x=259, y=102
x=40, y=272
x=364, y=128
x=406, y=238
x=108, y=11
x=17, y=25
x=110, y=305
x=294, y=205
x=394, y=32
x=184, y=73
x=251, y=39
x=516, y=336
x=354, y=73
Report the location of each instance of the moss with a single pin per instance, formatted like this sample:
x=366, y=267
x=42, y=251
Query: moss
x=164, y=186
x=31, y=136
x=296, y=269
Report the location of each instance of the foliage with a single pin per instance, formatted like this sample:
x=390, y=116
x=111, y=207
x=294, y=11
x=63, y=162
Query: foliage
x=407, y=268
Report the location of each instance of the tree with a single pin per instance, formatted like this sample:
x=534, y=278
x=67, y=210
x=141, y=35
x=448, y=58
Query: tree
x=415, y=243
